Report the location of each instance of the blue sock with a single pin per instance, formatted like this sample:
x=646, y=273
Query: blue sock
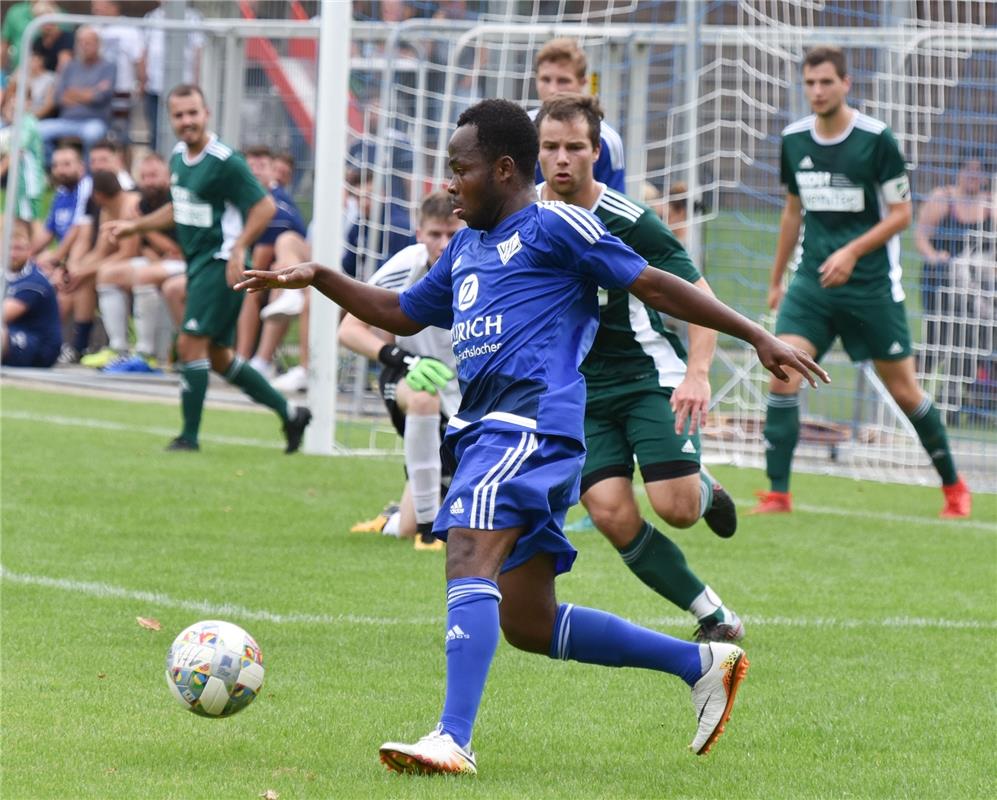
x=472, y=638
x=595, y=637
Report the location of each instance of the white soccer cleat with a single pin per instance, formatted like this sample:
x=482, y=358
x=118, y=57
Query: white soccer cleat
x=436, y=753
x=713, y=694
x=289, y=303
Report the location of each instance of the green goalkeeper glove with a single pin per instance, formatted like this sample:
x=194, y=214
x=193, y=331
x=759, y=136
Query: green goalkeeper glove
x=428, y=375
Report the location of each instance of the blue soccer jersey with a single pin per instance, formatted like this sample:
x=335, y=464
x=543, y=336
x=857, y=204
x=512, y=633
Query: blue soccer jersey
x=521, y=304
x=68, y=207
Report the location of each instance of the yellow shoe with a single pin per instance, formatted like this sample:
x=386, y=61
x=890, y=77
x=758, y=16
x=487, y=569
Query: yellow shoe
x=424, y=540
x=100, y=359
x=377, y=524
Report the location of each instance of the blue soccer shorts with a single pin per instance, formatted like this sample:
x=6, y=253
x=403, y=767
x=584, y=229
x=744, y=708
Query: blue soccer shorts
x=510, y=479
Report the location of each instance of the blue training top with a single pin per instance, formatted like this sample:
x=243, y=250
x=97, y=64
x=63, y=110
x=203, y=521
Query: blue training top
x=32, y=288
x=286, y=218
x=521, y=303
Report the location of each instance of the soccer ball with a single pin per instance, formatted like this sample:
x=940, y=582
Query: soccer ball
x=214, y=668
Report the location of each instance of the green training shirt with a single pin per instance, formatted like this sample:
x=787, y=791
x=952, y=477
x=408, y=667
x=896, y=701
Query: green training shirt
x=844, y=185
x=632, y=342
x=212, y=194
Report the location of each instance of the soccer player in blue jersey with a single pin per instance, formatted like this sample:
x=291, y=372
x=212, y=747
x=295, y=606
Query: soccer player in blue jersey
x=518, y=289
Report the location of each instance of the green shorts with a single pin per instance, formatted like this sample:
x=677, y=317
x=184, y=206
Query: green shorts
x=212, y=308
x=638, y=421
x=873, y=329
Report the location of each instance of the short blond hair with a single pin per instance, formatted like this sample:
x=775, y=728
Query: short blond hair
x=564, y=49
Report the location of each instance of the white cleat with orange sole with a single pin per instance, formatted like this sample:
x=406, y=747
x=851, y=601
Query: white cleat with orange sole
x=713, y=694
x=434, y=754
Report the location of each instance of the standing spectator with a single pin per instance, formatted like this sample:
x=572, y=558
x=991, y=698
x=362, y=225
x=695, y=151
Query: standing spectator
x=84, y=93
x=32, y=334
x=122, y=45
x=219, y=209
x=41, y=89
x=15, y=20
x=946, y=224
x=562, y=66
x=54, y=44
x=31, y=176
x=152, y=65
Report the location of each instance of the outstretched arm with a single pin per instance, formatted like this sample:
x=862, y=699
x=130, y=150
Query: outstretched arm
x=379, y=307
x=681, y=299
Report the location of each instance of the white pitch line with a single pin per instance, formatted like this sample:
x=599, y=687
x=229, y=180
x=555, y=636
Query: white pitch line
x=223, y=610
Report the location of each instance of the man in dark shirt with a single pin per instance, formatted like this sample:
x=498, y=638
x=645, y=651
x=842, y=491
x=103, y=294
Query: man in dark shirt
x=32, y=334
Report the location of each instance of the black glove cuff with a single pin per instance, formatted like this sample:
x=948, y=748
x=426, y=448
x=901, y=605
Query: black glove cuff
x=391, y=355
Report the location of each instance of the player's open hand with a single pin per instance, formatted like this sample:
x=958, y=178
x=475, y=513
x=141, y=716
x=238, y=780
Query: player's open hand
x=690, y=402
x=297, y=276
x=837, y=269
x=776, y=355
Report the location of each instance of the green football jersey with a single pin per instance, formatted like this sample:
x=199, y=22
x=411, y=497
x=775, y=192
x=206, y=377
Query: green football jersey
x=632, y=342
x=212, y=194
x=844, y=186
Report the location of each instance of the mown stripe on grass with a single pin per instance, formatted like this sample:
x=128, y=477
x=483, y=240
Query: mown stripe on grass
x=98, y=424
x=107, y=591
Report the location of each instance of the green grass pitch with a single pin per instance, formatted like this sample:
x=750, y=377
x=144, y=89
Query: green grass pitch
x=872, y=631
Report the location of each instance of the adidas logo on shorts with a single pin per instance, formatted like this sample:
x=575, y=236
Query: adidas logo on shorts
x=895, y=349
x=457, y=507
x=688, y=447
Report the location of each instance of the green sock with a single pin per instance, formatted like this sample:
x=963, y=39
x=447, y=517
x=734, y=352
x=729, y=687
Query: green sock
x=658, y=562
x=193, y=388
x=782, y=431
x=927, y=421
x=241, y=374
x=705, y=491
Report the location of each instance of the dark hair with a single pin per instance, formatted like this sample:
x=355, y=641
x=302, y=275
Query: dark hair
x=285, y=156
x=106, y=183
x=107, y=144
x=71, y=143
x=565, y=106
x=258, y=151
x=504, y=129
x=827, y=54
x=185, y=90
x=438, y=205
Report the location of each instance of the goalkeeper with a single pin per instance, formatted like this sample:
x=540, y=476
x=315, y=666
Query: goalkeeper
x=417, y=380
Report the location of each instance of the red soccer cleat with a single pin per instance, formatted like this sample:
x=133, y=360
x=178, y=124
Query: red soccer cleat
x=958, y=501
x=773, y=503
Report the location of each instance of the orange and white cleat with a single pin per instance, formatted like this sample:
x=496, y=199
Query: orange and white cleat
x=713, y=694
x=773, y=503
x=958, y=501
x=436, y=753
